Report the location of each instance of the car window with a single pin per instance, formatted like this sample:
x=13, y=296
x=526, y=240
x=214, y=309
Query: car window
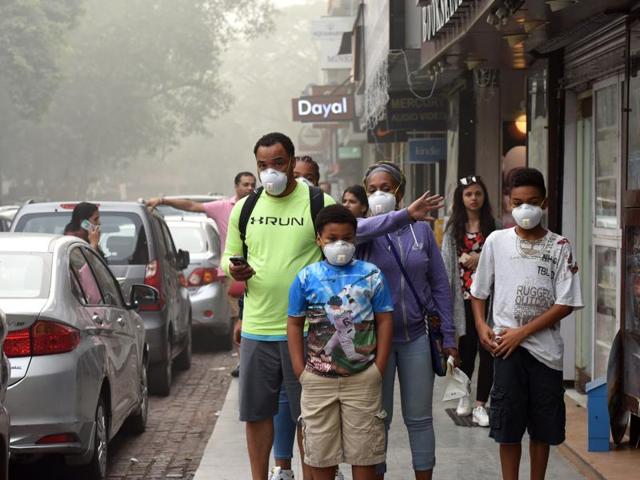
x=160, y=241
x=24, y=275
x=85, y=277
x=108, y=284
x=123, y=239
x=189, y=237
x=168, y=239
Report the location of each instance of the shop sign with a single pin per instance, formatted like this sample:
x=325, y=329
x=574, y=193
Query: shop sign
x=437, y=15
x=427, y=150
x=311, y=139
x=349, y=153
x=382, y=134
x=327, y=32
x=322, y=109
x=406, y=111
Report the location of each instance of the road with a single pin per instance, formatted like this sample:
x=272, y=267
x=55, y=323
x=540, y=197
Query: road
x=177, y=432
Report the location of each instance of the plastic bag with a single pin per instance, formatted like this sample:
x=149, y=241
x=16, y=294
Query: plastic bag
x=457, y=384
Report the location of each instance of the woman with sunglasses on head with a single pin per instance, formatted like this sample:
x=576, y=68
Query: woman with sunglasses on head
x=416, y=248
x=470, y=224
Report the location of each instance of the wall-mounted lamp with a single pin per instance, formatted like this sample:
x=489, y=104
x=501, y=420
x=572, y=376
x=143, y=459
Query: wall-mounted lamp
x=514, y=39
x=521, y=123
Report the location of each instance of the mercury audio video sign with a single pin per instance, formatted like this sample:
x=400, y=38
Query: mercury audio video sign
x=323, y=108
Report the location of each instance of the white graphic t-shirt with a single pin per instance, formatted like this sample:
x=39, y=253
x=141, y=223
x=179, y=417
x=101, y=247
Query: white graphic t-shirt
x=529, y=277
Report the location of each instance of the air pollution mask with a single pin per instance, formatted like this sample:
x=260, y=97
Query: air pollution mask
x=274, y=181
x=304, y=180
x=527, y=216
x=382, y=202
x=339, y=253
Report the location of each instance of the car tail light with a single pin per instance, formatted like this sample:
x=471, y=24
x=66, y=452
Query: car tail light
x=42, y=338
x=58, y=438
x=153, y=278
x=18, y=343
x=203, y=276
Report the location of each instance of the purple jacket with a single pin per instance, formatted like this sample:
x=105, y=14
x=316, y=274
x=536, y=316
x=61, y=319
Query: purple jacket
x=425, y=266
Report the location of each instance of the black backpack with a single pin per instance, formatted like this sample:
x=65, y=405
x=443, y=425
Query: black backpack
x=316, y=201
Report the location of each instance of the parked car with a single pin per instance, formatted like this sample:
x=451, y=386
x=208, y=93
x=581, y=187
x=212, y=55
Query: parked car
x=77, y=349
x=209, y=304
x=169, y=211
x=139, y=249
x=4, y=416
x=7, y=212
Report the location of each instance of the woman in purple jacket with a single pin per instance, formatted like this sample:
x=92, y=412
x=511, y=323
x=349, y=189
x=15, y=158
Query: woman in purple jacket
x=410, y=355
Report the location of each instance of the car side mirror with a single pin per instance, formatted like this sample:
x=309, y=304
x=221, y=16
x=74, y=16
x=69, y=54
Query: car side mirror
x=143, y=295
x=183, y=259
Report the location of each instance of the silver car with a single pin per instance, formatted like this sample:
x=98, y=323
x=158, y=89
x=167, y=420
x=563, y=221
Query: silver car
x=4, y=416
x=209, y=305
x=77, y=350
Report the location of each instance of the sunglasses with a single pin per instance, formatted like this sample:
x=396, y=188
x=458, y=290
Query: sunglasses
x=470, y=180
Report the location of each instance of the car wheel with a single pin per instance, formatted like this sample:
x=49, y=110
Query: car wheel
x=138, y=420
x=160, y=374
x=183, y=361
x=96, y=469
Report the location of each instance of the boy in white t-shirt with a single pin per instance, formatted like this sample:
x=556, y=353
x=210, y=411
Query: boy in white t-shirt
x=535, y=285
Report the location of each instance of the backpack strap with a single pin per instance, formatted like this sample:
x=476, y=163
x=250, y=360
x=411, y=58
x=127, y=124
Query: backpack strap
x=245, y=214
x=316, y=201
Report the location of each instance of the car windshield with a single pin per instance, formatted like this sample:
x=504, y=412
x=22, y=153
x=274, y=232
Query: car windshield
x=123, y=239
x=25, y=275
x=189, y=237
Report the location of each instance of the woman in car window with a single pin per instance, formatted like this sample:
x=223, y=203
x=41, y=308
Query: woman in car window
x=85, y=224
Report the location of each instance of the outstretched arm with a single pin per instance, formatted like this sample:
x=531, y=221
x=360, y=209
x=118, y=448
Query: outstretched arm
x=179, y=203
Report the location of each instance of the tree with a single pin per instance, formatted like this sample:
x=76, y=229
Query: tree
x=138, y=76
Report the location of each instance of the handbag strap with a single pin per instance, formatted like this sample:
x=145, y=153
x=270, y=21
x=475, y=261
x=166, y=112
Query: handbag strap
x=396, y=255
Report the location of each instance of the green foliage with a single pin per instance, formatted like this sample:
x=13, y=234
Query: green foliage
x=137, y=76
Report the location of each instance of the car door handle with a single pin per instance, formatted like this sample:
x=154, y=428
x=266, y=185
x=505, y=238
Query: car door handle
x=97, y=318
x=120, y=320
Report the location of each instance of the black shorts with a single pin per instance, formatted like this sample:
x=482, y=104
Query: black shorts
x=526, y=394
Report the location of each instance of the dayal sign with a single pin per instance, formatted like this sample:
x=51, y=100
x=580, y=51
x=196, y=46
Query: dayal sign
x=323, y=109
x=436, y=15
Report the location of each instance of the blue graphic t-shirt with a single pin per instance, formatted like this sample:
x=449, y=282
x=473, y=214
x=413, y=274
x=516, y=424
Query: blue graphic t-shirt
x=339, y=303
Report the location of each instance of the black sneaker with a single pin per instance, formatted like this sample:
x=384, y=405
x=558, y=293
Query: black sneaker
x=235, y=373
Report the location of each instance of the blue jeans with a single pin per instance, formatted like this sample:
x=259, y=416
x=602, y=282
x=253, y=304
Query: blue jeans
x=284, y=429
x=413, y=362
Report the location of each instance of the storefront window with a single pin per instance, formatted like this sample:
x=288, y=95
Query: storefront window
x=606, y=306
x=632, y=312
x=633, y=166
x=606, y=156
x=537, y=145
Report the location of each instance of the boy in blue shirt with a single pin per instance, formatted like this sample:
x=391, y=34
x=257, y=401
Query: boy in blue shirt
x=348, y=306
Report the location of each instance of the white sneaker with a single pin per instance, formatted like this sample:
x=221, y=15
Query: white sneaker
x=339, y=475
x=277, y=473
x=480, y=416
x=464, y=407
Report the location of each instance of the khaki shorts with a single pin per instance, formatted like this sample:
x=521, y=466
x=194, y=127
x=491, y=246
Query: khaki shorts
x=233, y=302
x=342, y=419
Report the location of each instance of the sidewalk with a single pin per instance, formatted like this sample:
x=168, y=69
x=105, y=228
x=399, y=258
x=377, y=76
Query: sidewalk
x=462, y=452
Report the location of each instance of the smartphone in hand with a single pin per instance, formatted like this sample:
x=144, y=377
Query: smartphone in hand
x=238, y=260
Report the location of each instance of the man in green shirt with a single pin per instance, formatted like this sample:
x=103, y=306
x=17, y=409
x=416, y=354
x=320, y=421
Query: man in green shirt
x=281, y=241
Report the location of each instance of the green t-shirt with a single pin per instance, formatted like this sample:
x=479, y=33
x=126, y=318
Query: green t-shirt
x=281, y=241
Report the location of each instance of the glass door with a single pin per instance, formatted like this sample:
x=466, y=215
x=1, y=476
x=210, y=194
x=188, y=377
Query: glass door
x=606, y=219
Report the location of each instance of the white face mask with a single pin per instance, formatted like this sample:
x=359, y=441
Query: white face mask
x=304, y=180
x=382, y=202
x=527, y=216
x=273, y=181
x=339, y=253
